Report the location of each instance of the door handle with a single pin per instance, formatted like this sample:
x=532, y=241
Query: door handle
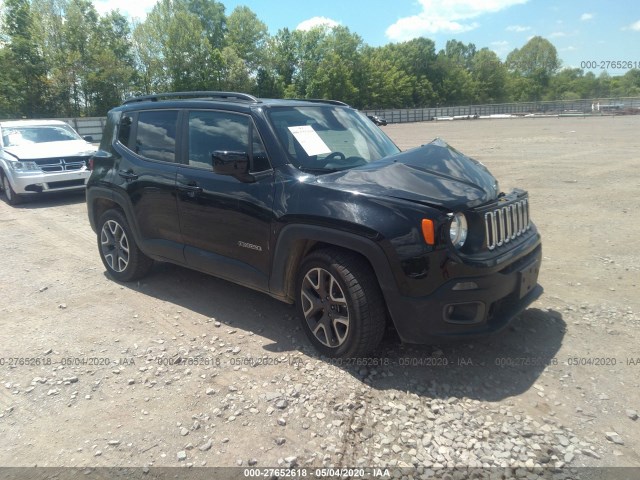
x=127, y=174
x=192, y=189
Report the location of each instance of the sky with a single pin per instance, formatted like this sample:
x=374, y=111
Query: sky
x=582, y=31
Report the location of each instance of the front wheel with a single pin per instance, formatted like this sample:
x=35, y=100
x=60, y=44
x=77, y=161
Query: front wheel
x=340, y=304
x=10, y=195
x=118, y=250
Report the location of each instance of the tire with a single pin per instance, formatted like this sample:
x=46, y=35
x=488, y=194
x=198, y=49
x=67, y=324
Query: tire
x=340, y=304
x=119, y=252
x=11, y=197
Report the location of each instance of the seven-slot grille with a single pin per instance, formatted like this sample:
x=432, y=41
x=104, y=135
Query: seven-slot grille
x=65, y=164
x=506, y=223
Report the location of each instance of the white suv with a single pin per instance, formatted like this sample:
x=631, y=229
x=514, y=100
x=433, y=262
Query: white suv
x=40, y=156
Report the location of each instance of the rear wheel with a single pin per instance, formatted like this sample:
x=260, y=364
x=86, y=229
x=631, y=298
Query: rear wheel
x=340, y=303
x=10, y=196
x=118, y=250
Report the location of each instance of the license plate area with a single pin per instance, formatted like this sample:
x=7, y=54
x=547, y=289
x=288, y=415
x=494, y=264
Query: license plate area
x=528, y=277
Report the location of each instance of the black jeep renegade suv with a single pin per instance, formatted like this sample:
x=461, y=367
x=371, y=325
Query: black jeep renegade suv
x=310, y=202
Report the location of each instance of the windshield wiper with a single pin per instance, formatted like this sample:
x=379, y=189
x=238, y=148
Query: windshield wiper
x=319, y=170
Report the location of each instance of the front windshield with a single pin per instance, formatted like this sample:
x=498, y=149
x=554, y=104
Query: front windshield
x=326, y=138
x=28, y=135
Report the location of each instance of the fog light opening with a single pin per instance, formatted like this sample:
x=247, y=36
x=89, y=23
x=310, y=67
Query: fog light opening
x=464, y=313
x=34, y=187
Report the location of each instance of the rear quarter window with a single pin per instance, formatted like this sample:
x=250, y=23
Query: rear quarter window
x=155, y=135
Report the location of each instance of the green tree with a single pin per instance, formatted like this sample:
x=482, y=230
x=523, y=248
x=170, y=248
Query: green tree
x=113, y=75
x=536, y=61
x=27, y=69
x=269, y=84
x=10, y=95
x=418, y=60
x=49, y=20
x=568, y=84
x=522, y=89
x=319, y=63
x=383, y=84
x=460, y=53
x=454, y=84
x=629, y=84
x=309, y=53
x=235, y=74
x=590, y=85
x=174, y=52
x=212, y=17
x=490, y=77
x=247, y=35
x=152, y=74
x=336, y=76
x=81, y=21
x=332, y=80
x=59, y=57
x=603, y=89
x=537, y=57
x=282, y=59
x=279, y=65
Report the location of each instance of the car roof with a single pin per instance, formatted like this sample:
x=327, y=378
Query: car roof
x=31, y=123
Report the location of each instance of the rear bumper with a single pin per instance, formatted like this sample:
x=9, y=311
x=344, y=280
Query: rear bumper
x=37, y=182
x=469, y=306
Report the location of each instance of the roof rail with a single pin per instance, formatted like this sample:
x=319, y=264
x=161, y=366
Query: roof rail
x=321, y=100
x=201, y=94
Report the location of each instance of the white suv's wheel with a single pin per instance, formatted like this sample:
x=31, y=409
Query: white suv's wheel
x=10, y=196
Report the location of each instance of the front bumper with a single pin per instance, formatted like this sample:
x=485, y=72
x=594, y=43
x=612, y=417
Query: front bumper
x=25, y=183
x=469, y=306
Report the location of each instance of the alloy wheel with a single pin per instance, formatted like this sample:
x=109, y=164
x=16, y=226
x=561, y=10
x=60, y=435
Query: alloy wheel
x=114, y=245
x=325, y=308
x=6, y=187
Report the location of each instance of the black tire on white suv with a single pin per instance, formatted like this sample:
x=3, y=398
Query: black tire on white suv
x=10, y=196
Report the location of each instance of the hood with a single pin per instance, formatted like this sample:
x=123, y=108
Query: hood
x=434, y=174
x=67, y=148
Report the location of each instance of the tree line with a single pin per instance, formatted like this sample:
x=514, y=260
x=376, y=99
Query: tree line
x=61, y=58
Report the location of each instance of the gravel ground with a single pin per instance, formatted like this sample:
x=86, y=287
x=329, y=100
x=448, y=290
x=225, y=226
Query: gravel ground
x=182, y=369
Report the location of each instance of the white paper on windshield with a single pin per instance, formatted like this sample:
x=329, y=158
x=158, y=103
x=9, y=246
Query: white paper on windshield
x=309, y=139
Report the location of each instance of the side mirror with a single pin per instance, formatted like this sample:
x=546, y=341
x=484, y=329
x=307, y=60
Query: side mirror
x=88, y=138
x=234, y=164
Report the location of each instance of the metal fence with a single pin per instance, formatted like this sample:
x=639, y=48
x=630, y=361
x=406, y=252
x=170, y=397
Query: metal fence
x=94, y=125
x=602, y=106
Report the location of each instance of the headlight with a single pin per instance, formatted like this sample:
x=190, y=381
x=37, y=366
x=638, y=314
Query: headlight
x=24, y=166
x=458, y=230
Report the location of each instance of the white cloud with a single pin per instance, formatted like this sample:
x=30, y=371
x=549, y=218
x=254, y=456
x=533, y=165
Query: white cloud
x=586, y=17
x=517, y=28
x=557, y=35
x=135, y=9
x=317, y=22
x=633, y=26
x=450, y=16
x=500, y=47
x=570, y=48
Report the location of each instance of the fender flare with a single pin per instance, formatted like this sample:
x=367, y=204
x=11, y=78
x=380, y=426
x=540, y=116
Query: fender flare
x=291, y=247
x=96, y=193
